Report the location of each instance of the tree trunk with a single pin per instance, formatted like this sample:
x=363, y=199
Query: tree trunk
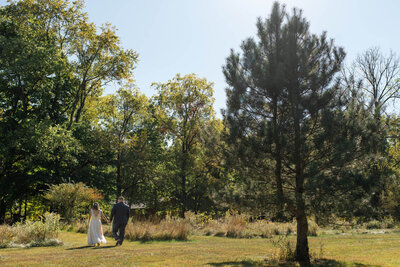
x=302, y=250
x=119, y=187
x=279, y=189
x=80, y=109
x=20, y=209
x=3, y=207
x=25, y=208
x=278, y=165
x=183, y=182
x=71, y=116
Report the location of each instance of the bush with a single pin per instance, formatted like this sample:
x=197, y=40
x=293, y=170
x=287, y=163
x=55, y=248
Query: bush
x=32, y=233
x=39, y=232
x=312, y=228
x=389, y=223
x=6, y=235
x=286, y=249
x=81, y=227
x=374, y=225
x=72, y=199
x=234, y=224
x=52, y=242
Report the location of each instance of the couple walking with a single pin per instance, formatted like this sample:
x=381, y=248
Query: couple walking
x=119, y=217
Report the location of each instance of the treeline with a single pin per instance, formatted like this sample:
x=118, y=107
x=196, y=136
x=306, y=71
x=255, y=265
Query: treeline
x=56, y=127
x=302, y=133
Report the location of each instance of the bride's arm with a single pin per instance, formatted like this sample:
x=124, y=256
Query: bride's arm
x=90, y=215
x=105, y=218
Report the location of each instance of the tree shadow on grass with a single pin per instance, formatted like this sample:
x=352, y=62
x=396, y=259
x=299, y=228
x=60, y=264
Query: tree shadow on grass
x=316, y=263
x=162, y=240
x=92, y=247
x=238, y=263
x=103, y=247
x=82, y=247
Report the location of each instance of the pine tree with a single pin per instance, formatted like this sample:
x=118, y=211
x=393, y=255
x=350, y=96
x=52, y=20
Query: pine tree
x=287, y=80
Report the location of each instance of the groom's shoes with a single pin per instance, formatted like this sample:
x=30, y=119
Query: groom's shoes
x=118, y=243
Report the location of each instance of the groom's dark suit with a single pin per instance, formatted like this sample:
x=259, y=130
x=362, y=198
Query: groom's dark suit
x=119, y=217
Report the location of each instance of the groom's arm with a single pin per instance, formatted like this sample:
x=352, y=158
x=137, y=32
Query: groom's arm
x=127, y=213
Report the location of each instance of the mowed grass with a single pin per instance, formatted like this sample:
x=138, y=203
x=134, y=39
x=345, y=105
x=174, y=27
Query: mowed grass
x=337, y=250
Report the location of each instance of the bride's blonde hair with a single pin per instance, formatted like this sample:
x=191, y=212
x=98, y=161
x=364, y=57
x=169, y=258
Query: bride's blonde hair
x=96, y=206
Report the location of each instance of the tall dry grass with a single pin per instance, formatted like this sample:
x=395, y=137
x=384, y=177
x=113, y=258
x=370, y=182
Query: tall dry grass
x=239, y=226
x=6, y=235
x=169, y=229
x=233, y=225
x=286, y=249
x=32, y=233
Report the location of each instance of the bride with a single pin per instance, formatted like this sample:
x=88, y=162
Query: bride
x=95, y=232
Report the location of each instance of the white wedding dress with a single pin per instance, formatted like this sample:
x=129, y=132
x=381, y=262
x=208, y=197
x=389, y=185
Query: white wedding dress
x=95, y=232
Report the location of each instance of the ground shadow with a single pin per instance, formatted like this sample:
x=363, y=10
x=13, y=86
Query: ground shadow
x=316, y=263
x=238, y=263
x=102, y=247
x=162, y=240
x=92, y=247
x=82, y=247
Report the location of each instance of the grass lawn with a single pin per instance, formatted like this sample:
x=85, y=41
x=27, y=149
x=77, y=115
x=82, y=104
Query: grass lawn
x=338, y=250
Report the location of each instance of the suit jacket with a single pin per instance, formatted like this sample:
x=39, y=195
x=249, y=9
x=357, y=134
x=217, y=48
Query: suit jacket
x=120, y=213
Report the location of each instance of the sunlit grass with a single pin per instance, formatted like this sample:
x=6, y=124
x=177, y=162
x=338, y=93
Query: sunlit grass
x=337, y=250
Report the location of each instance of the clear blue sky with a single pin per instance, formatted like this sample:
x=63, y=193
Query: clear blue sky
x=195, y=36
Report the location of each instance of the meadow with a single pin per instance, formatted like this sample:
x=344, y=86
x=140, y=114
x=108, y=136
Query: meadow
x=368, y=248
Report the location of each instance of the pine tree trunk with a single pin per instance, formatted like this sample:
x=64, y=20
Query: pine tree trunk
x=302, y=250
x=278, y=165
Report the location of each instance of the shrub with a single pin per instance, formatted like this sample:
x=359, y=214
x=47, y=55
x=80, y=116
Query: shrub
x=286, y=249
x=71, y=199
x=234, y=224
x=389, y=222
x=39, y=232
x=374, y=225
x=81, y=227
x=312, y=228
x=6, y=235
x=32, y=233
x=52, y=242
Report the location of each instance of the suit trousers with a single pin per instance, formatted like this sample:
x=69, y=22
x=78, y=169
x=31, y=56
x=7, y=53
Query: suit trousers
x=118, y=230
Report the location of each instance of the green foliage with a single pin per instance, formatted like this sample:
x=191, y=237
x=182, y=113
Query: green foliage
x=184, y=106
x=290, y=117
x=54, y=62
x=127, y=126
x=71, y=199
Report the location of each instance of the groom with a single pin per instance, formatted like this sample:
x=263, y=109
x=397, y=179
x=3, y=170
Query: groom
x=119, y=217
